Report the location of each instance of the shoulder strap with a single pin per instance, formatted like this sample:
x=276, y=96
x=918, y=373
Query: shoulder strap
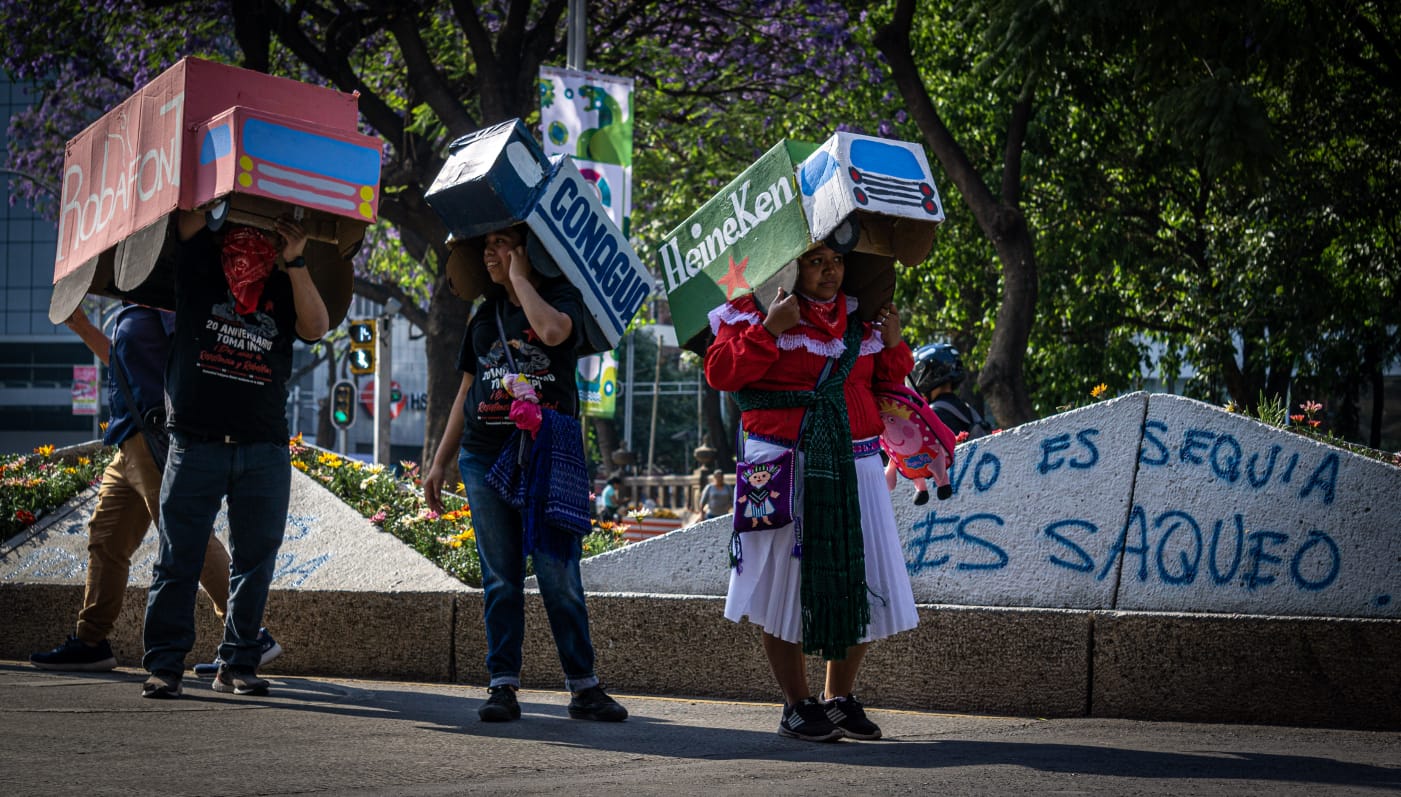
x=952, y=409
x=153, y=444
x=501, y=332
x=132, y=407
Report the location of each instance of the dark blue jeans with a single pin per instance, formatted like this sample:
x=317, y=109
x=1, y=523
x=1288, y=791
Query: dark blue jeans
x=256, y=479
x=499, y=544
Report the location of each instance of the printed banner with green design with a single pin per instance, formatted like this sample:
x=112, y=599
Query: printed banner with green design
x=588, y=116
x=737, y=240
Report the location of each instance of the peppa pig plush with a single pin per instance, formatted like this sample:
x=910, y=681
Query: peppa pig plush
x=919, y=445
x=525, y=408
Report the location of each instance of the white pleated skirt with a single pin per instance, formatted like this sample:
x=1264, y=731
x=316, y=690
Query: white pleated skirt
x=766, y=589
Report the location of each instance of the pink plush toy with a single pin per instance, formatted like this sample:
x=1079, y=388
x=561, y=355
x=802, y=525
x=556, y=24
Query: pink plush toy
x=919, y=445
x=525, y=410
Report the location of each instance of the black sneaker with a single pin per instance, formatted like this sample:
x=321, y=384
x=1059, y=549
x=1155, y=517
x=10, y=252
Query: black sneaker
x=595, y=704
x=809, y=721
x=77, y=656
x=239, y=682
x=848, y=714
x=500, y=705
x=161, y=687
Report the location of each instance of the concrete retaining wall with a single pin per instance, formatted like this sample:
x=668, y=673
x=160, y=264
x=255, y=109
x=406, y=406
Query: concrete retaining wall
x=1151, y=503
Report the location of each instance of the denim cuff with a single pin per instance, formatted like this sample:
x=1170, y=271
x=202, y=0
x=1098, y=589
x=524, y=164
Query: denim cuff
x=580, y=684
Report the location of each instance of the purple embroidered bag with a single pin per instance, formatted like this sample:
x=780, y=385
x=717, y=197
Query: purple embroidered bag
x=764, y=493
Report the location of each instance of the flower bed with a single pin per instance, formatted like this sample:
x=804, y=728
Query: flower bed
x=32, y=485
x=396, y=505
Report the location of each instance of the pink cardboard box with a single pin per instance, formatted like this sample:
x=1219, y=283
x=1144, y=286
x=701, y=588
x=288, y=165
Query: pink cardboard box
x=204, y=134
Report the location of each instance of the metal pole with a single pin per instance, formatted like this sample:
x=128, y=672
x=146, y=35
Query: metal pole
x=296, y=408
x=627, y=408
x=383, y=387
x=578, y=34
x=700, y=408
x=656, y=394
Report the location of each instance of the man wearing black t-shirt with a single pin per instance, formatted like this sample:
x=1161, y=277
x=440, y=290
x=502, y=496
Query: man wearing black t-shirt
x=237, y=309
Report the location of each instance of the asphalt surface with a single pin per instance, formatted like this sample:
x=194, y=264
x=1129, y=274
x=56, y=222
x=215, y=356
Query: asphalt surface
x=92, y=734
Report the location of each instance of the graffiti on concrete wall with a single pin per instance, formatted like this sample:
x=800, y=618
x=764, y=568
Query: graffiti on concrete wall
x=1164, y=537
x=62, y=553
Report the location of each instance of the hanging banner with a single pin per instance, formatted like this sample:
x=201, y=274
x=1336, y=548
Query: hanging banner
x=589, y=116
x=84, y=390
x=597, y=378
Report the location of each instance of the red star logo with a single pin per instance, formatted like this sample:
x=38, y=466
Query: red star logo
x=734, y=280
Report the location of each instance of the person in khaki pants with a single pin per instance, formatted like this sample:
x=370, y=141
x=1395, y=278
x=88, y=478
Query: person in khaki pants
x=129, y=496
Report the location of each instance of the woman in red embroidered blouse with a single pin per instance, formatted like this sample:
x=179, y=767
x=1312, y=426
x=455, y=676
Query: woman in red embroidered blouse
x=785, y=349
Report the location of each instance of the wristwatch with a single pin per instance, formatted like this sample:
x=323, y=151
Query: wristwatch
x=297, y=262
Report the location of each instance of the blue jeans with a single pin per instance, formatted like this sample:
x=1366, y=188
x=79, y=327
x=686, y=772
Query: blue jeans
x=256, y=478
x=500, y=534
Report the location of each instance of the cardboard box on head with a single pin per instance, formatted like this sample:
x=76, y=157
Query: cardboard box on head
x=871, y=199
x=498, y=177
x=243, y=146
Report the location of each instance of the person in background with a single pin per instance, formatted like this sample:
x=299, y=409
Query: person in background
x=937, y=374
x=842, y=584
x=528, y=328
x=128, y=499
x=717, y=498
x=241, y=297
x=611, y=504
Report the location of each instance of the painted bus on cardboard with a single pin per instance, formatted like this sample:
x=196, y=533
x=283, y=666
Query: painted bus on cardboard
x=242, y=146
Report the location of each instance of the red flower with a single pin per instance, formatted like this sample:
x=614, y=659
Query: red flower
x=24, y=516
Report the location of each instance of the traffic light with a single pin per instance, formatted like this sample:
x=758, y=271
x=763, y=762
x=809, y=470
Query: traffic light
x=343, y=405
x=362, y=347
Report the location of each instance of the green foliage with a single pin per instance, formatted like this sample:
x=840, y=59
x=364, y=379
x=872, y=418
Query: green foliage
x=1271, y=410
x=1220, y=180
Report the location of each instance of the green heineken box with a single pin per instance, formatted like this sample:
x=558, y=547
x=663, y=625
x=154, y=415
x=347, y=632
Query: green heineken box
x=871, y=199
x=738, y=241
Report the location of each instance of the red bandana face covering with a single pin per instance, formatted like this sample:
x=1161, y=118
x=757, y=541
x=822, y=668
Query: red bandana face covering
x=247, y=257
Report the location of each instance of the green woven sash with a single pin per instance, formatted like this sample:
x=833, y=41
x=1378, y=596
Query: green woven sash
x=834, y=606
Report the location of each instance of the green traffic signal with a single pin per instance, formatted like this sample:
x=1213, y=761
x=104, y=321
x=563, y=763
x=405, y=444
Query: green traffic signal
x=343, y=404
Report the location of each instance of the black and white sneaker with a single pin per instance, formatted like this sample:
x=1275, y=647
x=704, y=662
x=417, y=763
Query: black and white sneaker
x=808, y=720
x=848, y=714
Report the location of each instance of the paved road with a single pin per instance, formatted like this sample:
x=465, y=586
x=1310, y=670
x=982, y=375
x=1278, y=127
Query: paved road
x=92, y=734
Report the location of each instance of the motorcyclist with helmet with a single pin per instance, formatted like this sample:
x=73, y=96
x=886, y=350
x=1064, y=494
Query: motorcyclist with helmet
x=937, y=374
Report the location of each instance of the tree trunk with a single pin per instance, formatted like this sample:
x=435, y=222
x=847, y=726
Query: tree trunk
x=606, y=432
x=447, y=321
x=1374, y=428
x=717, y=435
x=1000, y=378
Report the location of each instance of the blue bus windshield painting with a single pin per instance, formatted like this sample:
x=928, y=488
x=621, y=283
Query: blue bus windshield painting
x=879, y=158
x=888, y=174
